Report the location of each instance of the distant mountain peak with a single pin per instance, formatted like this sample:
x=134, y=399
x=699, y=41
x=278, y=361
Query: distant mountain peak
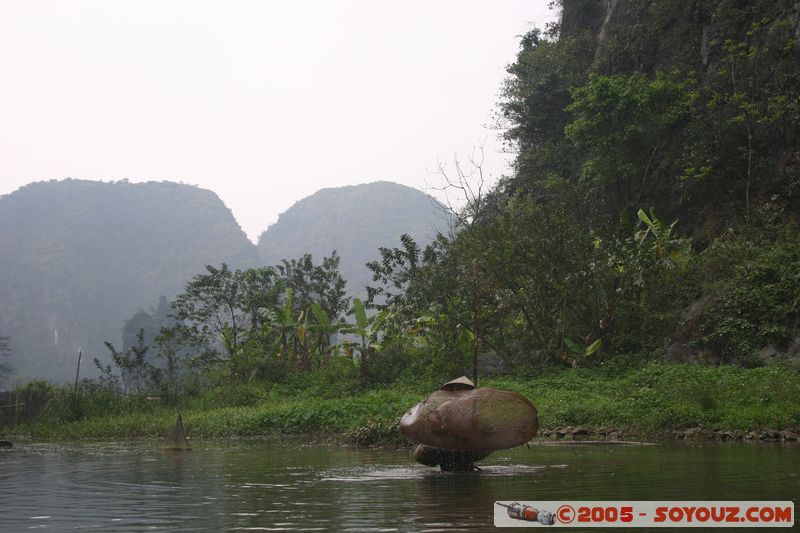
x=354, y=220
x=78, y=257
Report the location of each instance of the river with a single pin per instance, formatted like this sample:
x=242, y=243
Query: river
x=277, y=484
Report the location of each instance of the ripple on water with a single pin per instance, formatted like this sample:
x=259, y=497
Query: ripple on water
x=398, y=473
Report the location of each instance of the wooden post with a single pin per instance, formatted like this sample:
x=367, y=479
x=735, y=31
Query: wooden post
x=77, y=373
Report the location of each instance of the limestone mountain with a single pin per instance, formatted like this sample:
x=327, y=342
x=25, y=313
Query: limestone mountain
x=355, y=221
x=78, y=258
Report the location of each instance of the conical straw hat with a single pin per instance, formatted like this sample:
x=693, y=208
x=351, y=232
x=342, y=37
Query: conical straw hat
x=462, y=383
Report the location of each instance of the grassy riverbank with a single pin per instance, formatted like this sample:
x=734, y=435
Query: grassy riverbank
x=648, y=402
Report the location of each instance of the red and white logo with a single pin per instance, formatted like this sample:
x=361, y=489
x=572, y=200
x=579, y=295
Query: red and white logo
x=585, y=514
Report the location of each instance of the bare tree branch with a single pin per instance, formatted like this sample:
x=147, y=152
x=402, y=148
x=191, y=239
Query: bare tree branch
x=462, y=188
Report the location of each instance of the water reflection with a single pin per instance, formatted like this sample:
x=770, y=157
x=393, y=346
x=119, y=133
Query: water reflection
x=274, y=485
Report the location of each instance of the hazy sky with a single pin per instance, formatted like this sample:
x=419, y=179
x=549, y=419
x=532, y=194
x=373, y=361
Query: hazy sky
x=262, y=102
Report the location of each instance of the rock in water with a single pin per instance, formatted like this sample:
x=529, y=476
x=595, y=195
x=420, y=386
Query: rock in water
x=471, y=420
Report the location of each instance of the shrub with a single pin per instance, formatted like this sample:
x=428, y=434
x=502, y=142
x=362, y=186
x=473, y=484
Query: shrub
x=754, y=283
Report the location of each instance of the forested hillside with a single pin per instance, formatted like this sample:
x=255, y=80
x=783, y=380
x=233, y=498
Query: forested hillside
x=688, y=107
x=652, y=212
x=354, y=221
x=77, y=258
x=687, y=111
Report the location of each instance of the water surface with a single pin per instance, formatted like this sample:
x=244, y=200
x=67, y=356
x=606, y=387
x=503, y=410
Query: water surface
x=285, y=485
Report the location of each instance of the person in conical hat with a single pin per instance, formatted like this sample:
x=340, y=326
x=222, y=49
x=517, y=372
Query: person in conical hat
x=459, y=424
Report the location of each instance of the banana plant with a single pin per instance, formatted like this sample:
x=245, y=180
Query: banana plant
x=580, y=355
x=281, y=323
x=666, y=250
x=368, y=331
x=323, y=328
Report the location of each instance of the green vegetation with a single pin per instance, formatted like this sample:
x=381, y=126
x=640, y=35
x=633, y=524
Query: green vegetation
x=647, y=402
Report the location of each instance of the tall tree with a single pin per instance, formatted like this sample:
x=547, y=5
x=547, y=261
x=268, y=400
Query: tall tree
x=5, y=351
x=219, y=310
